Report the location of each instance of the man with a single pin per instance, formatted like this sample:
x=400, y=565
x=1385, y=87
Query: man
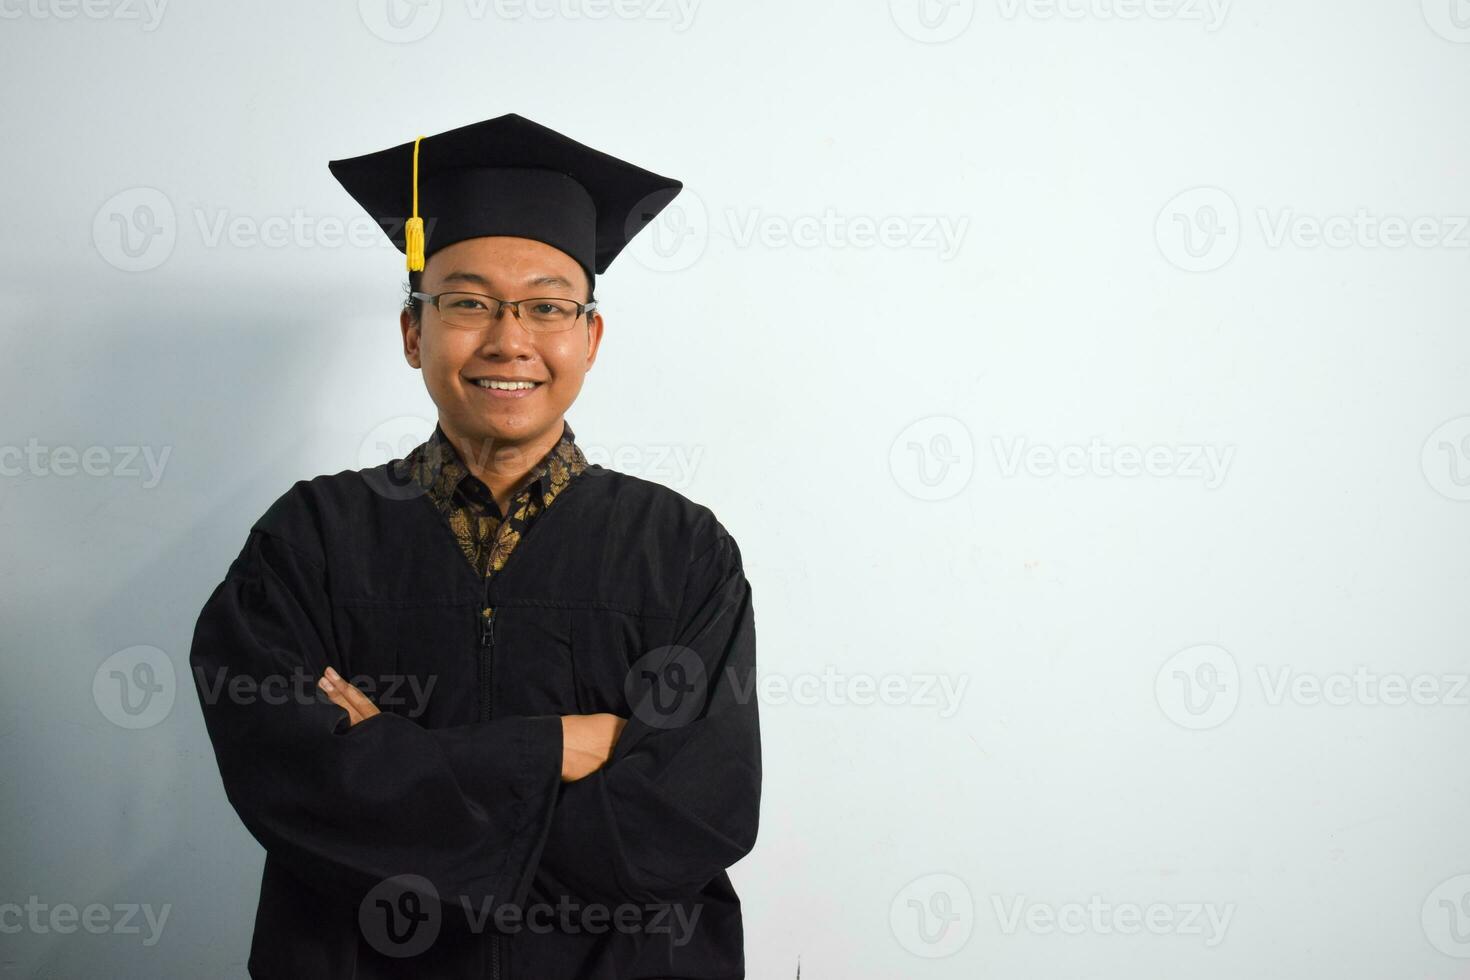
x=520, y=739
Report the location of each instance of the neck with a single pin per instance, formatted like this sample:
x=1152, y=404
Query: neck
x=503, y=464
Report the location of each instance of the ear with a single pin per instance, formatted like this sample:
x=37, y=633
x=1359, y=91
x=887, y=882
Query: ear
x=410, y=332
x=594, y=338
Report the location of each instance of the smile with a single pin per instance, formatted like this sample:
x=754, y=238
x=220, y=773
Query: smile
x=497, y=388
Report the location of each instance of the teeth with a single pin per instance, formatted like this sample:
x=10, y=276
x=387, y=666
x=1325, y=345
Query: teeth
x=506, y=385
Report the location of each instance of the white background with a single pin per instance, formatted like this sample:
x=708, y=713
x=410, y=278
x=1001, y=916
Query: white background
x=1131, y=203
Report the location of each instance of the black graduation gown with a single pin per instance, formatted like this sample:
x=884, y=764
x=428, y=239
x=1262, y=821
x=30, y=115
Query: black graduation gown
x=445, y=816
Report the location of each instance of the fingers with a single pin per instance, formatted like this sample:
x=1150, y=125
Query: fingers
x=345, y=696
x=359, y=701
x=338, y=697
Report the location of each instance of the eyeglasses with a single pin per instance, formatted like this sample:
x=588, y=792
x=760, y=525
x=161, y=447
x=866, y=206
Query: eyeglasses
x=475, y=311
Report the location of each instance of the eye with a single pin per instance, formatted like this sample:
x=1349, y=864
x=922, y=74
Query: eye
x=468, y=303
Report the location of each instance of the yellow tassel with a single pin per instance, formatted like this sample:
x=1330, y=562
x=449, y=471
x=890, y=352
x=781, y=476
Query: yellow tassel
x=413, y=231
x=415, y=234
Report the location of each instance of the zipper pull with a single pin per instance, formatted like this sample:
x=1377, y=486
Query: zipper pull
x=487, y=626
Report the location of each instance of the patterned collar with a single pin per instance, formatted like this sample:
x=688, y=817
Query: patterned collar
x=467, y=505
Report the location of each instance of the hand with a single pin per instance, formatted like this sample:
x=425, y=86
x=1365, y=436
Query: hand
x=587, y=743
x=344, y=695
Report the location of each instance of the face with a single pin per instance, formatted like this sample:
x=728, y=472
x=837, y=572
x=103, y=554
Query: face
x=454, y=359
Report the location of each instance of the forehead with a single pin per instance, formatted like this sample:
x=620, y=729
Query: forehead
x=503, y=260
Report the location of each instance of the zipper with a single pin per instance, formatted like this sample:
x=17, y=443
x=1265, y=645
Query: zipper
x=487, y=661
x=487, y=667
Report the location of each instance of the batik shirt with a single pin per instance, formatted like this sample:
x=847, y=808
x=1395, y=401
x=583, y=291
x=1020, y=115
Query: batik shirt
x=486, y=538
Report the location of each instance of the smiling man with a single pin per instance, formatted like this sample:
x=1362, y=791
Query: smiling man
x=528, y=747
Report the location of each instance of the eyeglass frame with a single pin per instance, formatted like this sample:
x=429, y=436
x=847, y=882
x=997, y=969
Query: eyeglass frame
x=514, y=304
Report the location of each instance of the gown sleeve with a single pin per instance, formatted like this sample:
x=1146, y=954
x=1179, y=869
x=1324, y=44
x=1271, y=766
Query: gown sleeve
x=348, y=806
x=677, y=803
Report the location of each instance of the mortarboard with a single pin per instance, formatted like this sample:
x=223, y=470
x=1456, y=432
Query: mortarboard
x=505, y=176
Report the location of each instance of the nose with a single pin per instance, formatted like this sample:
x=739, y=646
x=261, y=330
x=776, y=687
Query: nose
x=507, y=335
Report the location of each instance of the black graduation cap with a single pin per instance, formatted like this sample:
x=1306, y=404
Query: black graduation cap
x=505, y=176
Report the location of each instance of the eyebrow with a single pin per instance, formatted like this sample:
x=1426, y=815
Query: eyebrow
x=460, y=275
